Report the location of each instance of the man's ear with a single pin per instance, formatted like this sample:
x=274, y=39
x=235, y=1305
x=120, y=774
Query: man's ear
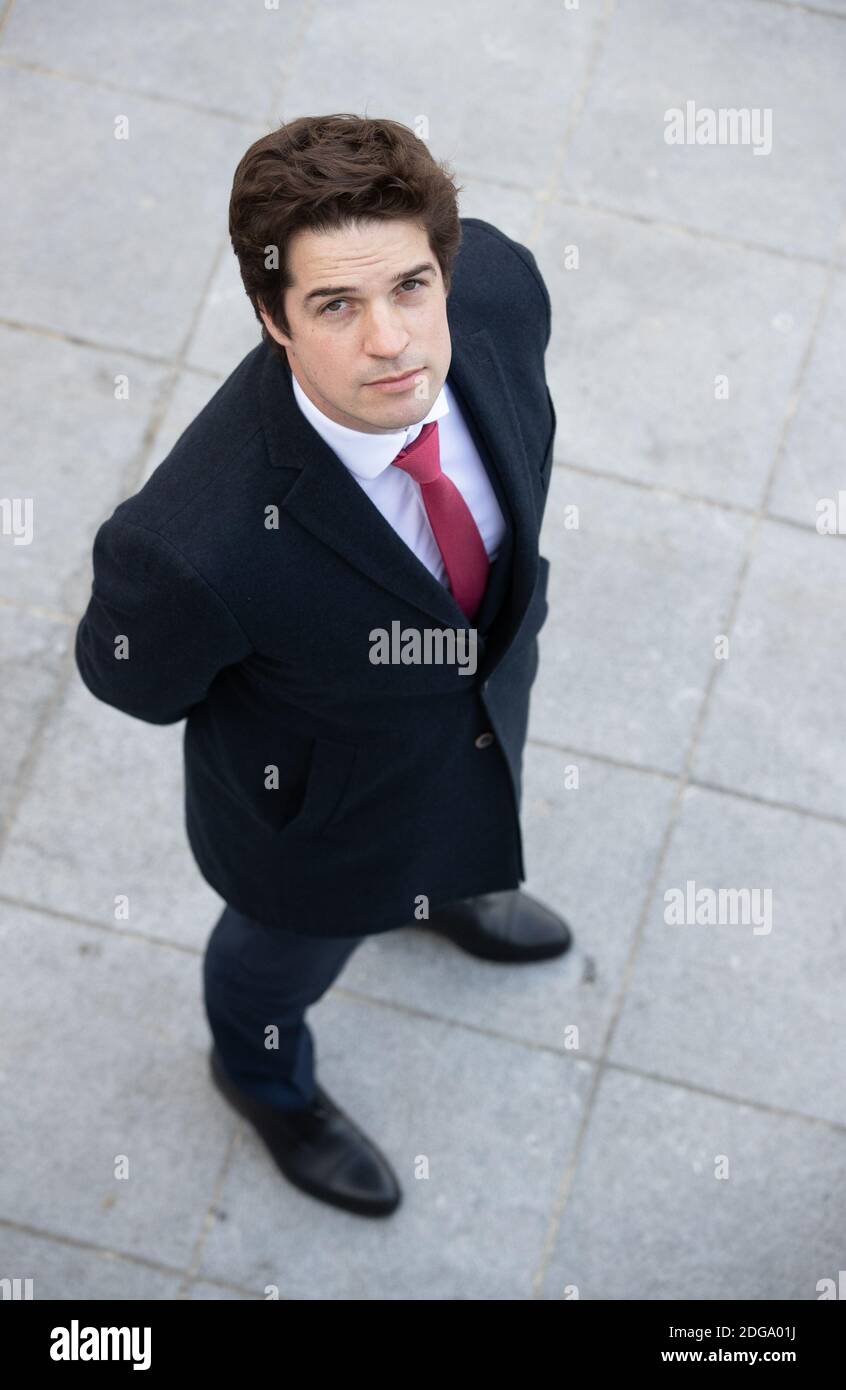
x=270, y=326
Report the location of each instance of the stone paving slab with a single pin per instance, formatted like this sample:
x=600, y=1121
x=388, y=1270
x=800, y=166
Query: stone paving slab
x=750, y=1005
x=152, y=191
x=811, y=467
x=788, y=59
x=680, y=1195
x=774, y=726
x=638, y=592
x=673, y=319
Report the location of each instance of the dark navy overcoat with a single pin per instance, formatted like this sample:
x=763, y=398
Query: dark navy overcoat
x=238, y=590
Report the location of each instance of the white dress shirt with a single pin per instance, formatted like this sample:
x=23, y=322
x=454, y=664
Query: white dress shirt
x=368, y=457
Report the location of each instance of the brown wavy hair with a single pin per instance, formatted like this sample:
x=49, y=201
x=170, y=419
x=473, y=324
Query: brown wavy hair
x=325, y=172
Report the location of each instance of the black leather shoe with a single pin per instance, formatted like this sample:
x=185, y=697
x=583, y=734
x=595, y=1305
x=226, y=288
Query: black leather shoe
x=508, y=926
x=319, y=1149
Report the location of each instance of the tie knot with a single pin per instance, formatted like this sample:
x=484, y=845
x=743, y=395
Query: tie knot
x=422, y=457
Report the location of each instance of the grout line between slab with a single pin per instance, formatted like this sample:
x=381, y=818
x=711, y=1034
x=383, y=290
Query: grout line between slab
x=120, y=1256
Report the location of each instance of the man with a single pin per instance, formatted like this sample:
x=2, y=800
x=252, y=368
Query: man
x=334, y=579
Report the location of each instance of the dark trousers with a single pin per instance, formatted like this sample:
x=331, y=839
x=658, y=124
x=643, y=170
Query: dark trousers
x=258, y=983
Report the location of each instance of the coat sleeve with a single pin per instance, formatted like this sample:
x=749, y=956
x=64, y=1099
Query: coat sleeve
x=154, y=634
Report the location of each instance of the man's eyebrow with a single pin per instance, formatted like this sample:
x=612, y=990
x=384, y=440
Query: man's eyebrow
x=333, y=290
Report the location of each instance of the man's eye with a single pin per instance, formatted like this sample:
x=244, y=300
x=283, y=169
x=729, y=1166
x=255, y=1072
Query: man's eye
x=328, y=306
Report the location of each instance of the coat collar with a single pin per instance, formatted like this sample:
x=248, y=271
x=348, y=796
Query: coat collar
x=328, y=502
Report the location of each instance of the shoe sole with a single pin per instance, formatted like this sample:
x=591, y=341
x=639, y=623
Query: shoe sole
x=251, y=1111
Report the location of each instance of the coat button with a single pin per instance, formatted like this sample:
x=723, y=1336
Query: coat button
x=484, y=740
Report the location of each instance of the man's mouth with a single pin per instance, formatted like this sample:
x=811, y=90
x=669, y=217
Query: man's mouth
x=392, y=380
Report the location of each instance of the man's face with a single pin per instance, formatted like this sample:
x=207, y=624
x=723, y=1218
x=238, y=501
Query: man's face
x=380, y=312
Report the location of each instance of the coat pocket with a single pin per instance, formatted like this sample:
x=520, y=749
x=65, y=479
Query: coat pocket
x=329, y=775
x=309, y=796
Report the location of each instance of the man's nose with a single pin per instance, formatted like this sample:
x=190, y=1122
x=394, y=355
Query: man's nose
x=385, y=335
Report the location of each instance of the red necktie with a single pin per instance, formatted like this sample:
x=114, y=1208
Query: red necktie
x=463, y=550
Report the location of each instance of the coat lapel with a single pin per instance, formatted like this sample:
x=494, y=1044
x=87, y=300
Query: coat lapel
x=329, y=503
x=488, y=405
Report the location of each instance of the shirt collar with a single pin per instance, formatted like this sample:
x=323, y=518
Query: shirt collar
x=365, y=455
